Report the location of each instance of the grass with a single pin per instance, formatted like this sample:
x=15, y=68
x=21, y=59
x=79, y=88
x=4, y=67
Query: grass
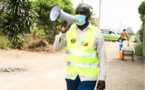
x=139, y=48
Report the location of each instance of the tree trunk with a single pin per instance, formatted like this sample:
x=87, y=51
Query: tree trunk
x=144, y=41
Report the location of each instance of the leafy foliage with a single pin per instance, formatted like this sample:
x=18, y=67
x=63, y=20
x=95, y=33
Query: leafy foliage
x=18, y=20
x=129, y=31
x=21, y=20
x=141, y=11
x=43, y=9
x=4, y=42
x=92, y=18
x=139, y=48
x=141, y=33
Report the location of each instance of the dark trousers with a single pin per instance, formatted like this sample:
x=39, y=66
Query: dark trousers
x=80, y=85
x=123, y=40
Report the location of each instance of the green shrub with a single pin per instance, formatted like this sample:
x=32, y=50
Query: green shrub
x=4, y=42
x=139, y=48
x=19, y=43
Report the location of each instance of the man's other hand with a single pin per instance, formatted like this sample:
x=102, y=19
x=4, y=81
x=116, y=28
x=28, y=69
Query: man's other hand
x=100, y=85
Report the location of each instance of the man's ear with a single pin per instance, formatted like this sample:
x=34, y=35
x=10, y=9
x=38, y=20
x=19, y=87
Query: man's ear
x=88, y=17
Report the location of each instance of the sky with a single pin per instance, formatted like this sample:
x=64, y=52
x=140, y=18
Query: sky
x=116, y=14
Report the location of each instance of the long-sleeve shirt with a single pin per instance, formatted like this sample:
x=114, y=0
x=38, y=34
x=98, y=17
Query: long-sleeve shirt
x=60, y=43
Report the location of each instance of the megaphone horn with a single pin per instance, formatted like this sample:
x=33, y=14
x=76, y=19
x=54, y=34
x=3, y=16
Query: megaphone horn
x=54, y=13
x=57, y=13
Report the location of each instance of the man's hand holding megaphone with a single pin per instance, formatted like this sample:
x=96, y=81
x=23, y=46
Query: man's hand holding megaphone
x=65, y=27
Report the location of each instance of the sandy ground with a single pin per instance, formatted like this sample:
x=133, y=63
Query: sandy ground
x=24, y=70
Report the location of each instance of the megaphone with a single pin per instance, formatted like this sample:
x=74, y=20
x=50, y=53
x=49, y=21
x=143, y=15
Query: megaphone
x=57, y=13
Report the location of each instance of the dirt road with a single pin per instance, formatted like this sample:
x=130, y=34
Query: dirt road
x=23, y=70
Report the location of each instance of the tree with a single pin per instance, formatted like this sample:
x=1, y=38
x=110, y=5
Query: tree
x=141, y=11
x=130, y=31
x=3, y=4
x=18, y=20
x=43, y=10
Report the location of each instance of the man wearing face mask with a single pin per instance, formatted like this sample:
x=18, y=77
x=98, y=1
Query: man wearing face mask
x=86, y=55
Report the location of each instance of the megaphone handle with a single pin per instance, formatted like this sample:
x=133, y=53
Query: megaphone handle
x=63, y=29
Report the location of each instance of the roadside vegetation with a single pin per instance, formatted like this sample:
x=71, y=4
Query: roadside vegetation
x=139, y=47
x=25, y=24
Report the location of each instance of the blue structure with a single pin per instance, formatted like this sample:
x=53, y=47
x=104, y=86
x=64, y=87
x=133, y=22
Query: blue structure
x=120, y=46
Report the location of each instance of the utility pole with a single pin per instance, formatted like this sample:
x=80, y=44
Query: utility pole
x=82, y=1
x=100, y=12
x=144, y=42
x=119, y=27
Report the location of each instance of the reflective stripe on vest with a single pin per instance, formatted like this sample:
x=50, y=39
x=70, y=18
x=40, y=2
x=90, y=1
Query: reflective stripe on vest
x=83, y=78
x=82, y=65
x=87, y=54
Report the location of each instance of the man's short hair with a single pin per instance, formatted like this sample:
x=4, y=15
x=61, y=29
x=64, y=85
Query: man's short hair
x=84, y=6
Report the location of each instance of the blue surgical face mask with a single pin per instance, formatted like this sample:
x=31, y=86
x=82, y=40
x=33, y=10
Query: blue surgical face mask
x=81, y=19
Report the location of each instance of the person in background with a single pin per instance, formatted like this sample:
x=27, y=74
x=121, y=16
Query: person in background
x=86, y=57
x=124, y=35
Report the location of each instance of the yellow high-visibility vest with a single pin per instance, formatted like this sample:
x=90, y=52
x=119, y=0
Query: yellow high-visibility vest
x=82, y=60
